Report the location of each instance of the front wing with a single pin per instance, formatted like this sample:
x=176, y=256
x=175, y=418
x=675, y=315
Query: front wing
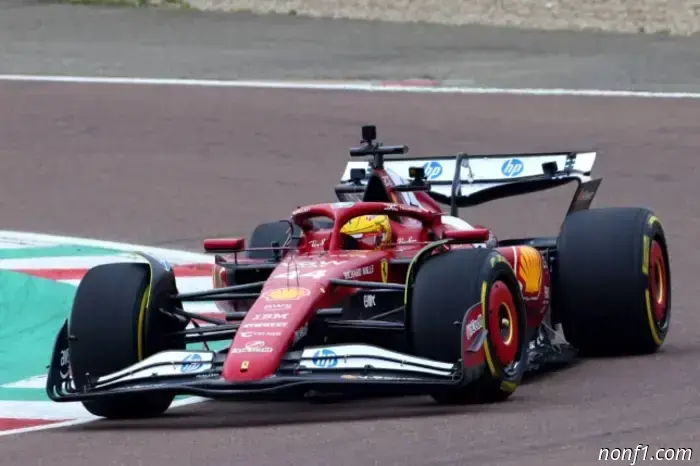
x=338, y=369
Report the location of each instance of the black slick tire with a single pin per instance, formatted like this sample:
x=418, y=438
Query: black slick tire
x=446, y=286
x=110, y=328
x=612, y=282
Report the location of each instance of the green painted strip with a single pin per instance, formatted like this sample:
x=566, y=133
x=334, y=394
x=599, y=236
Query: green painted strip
x=23, y=394
x=32, y=311
x=55, y=251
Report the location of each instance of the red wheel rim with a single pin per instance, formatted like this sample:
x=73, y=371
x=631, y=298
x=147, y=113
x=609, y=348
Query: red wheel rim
x=503, y=323
x=657, y=281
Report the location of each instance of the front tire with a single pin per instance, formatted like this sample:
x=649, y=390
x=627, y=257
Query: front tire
x=447, y=285
x=110, y=328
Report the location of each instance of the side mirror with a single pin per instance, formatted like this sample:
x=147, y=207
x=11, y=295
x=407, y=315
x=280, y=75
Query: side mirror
x=480, y=235
x=224, y=244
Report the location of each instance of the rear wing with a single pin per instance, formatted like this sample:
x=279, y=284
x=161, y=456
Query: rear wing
x=465, y=180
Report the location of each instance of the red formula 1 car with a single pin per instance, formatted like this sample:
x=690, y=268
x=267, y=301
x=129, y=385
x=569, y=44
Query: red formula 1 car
x=379, y=293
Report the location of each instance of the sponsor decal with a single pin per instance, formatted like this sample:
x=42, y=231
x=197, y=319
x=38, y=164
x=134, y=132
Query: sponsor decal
x=301, y=333
x=408, y=240
x=312, y=265
x=257, y=346
x=359, y=272
x=384, y=266
x=512, y=167
x=545, y=300
x=165, y=264
x=349, y=255
x=432, y=169
x=341, y=205
x=391, y=208
x=270, y=316
x=265, y=325
x=374, y=377
x=316, y=275
x=286, y=294
x=369, y=300
x=258, y=334
x=473, y=326
x=585, y=195
x=474, y=334
x=191, y=363
x=530, y=270
x=277, y=306
x=317, y=243
x=65, y=362
x=325, y=358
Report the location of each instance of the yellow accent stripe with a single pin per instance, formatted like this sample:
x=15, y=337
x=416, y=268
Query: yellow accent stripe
x=652, y=324
x=413, y=261
x=141, y=321
x=653, y=219
x=508, y=386
x=145, y=301
x=510, y=324
x=484, y=310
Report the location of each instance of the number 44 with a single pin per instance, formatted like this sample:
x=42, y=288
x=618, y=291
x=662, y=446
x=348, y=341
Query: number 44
x=316, y=274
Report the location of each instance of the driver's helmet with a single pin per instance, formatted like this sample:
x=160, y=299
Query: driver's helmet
x=372, y=230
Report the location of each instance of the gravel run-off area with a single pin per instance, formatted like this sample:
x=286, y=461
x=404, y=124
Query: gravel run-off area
x=676, y=17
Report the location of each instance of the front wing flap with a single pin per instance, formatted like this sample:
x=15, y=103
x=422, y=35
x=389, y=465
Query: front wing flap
x=349, y=369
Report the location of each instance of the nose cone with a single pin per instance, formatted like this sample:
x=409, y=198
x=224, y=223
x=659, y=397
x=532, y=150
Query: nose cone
x=268, y=330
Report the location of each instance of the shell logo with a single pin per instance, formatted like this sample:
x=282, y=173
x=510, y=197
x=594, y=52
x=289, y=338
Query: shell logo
x=286, y=294
x=530, y=270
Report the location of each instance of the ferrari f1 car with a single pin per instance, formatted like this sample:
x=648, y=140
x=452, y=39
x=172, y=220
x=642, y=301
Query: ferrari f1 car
x=379, y=293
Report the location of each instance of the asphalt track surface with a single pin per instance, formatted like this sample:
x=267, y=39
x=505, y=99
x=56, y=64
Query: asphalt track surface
x=171, y=165
x=45, y=37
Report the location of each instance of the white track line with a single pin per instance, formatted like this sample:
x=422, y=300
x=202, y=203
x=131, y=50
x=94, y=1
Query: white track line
x=44, y=410
x=348, y=86
x=85, y=419
x=176, y=256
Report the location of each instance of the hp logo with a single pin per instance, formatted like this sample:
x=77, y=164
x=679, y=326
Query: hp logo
x=325, y=358
x=512, y=167
x=432, y=169
x=191, y=363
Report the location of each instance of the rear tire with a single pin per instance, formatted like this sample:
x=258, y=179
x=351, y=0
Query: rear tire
x=111, y=328
x=612, y=283
x=446, y=287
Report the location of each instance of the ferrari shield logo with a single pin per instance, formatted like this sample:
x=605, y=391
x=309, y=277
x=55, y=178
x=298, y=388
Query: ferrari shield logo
x=385, y=270
x=286, y=294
